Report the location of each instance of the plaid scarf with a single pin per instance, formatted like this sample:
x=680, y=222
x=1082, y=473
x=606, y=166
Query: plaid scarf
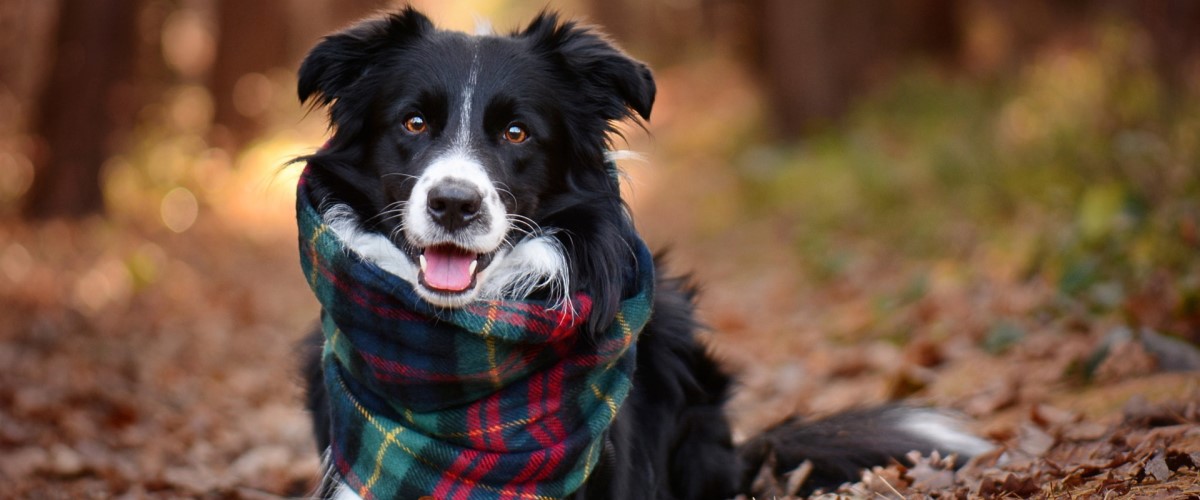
x=494, y=400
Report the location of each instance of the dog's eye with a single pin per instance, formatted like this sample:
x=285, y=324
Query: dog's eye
x=516, y=133
x=415, y=124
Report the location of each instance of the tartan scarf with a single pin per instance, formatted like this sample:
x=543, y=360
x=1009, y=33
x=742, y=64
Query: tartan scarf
x=493, y=400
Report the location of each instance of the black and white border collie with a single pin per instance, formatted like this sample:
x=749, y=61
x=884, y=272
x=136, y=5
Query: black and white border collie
x=474, y=167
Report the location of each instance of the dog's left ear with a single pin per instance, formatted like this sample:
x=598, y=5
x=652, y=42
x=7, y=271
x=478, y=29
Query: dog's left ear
x=598, y=63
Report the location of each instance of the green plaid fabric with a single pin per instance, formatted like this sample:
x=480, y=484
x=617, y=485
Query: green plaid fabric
x=495, y=400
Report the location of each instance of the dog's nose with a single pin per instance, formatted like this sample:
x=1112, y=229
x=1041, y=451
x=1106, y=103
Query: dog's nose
x=454, y=205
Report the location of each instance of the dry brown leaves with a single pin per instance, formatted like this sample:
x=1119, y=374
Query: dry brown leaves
x=143, y=364
x=138, y=363
x=1154, y=452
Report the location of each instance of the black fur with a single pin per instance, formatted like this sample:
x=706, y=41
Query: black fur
x=839, y=446
x=569, y=85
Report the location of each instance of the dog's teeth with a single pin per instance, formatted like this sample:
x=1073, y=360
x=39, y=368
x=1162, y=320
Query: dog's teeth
x=474, y=264
x=423, y=263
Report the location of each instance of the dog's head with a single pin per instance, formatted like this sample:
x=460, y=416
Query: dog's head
x=480, y=158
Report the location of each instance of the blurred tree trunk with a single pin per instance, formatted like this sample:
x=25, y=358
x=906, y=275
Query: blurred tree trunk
x=256, y=37
x=84, y=106
x=815, y=56
x=807, y=58
x=253, y=39
x=1174, y=27
x=26, y=29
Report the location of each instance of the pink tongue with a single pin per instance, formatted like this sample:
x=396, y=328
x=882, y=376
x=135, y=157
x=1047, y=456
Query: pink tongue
x=448, y=268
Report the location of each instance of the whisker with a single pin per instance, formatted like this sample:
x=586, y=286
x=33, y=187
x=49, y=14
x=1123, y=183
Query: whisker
x=394, y=207
x=504, y=189
x=530, y=226
x=524, y=227
x=401, y=174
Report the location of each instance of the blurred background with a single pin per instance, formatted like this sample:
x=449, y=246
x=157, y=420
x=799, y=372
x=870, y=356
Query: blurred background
x=991, y=205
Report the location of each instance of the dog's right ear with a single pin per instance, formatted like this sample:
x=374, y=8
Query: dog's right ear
x=341, y=59
x=617, y=82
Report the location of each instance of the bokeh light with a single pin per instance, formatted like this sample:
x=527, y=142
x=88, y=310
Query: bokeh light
x=179, y=209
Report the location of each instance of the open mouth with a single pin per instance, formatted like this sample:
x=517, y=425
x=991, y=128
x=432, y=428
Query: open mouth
x=450, y=269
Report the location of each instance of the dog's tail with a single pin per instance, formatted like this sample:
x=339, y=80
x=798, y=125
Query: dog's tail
x=840, y=446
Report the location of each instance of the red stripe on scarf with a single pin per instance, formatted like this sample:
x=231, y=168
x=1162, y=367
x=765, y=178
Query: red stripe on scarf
x=387, y=370
x=554, y=404
x=535, y=462
x=466, y=470
x=494, y=424
x=478, y=441
x=535, y=394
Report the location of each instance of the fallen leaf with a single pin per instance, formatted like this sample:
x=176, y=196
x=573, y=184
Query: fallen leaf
x=885, y=482
x=797, y=477
x=1157, y=467
x=1008, y=485
x=1001, y=393
x=1171, y=353
x=1048, y=416
x=1085, y=431
x=765, y=483
x=928, y=478
x=65, y=462
x=1034, y=441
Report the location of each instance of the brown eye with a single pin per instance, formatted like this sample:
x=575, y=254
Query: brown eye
x=516, y=133
x=415, y=124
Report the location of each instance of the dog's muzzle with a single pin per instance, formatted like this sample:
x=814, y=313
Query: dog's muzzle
x=455, y=223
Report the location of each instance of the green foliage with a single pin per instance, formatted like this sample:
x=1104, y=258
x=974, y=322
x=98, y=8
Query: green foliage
x=1085, y=151
x=1002, y=336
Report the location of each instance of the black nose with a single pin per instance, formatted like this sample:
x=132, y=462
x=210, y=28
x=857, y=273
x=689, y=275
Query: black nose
x=454, y=205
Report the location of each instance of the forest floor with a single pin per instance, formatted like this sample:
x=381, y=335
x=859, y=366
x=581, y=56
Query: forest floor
x=141, y=362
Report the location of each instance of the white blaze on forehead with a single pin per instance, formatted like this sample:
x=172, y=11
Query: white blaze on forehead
x=483, y=26
x=456, y=166
x=462, y=139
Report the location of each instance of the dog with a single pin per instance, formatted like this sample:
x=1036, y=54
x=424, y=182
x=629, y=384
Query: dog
x=476, y=169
